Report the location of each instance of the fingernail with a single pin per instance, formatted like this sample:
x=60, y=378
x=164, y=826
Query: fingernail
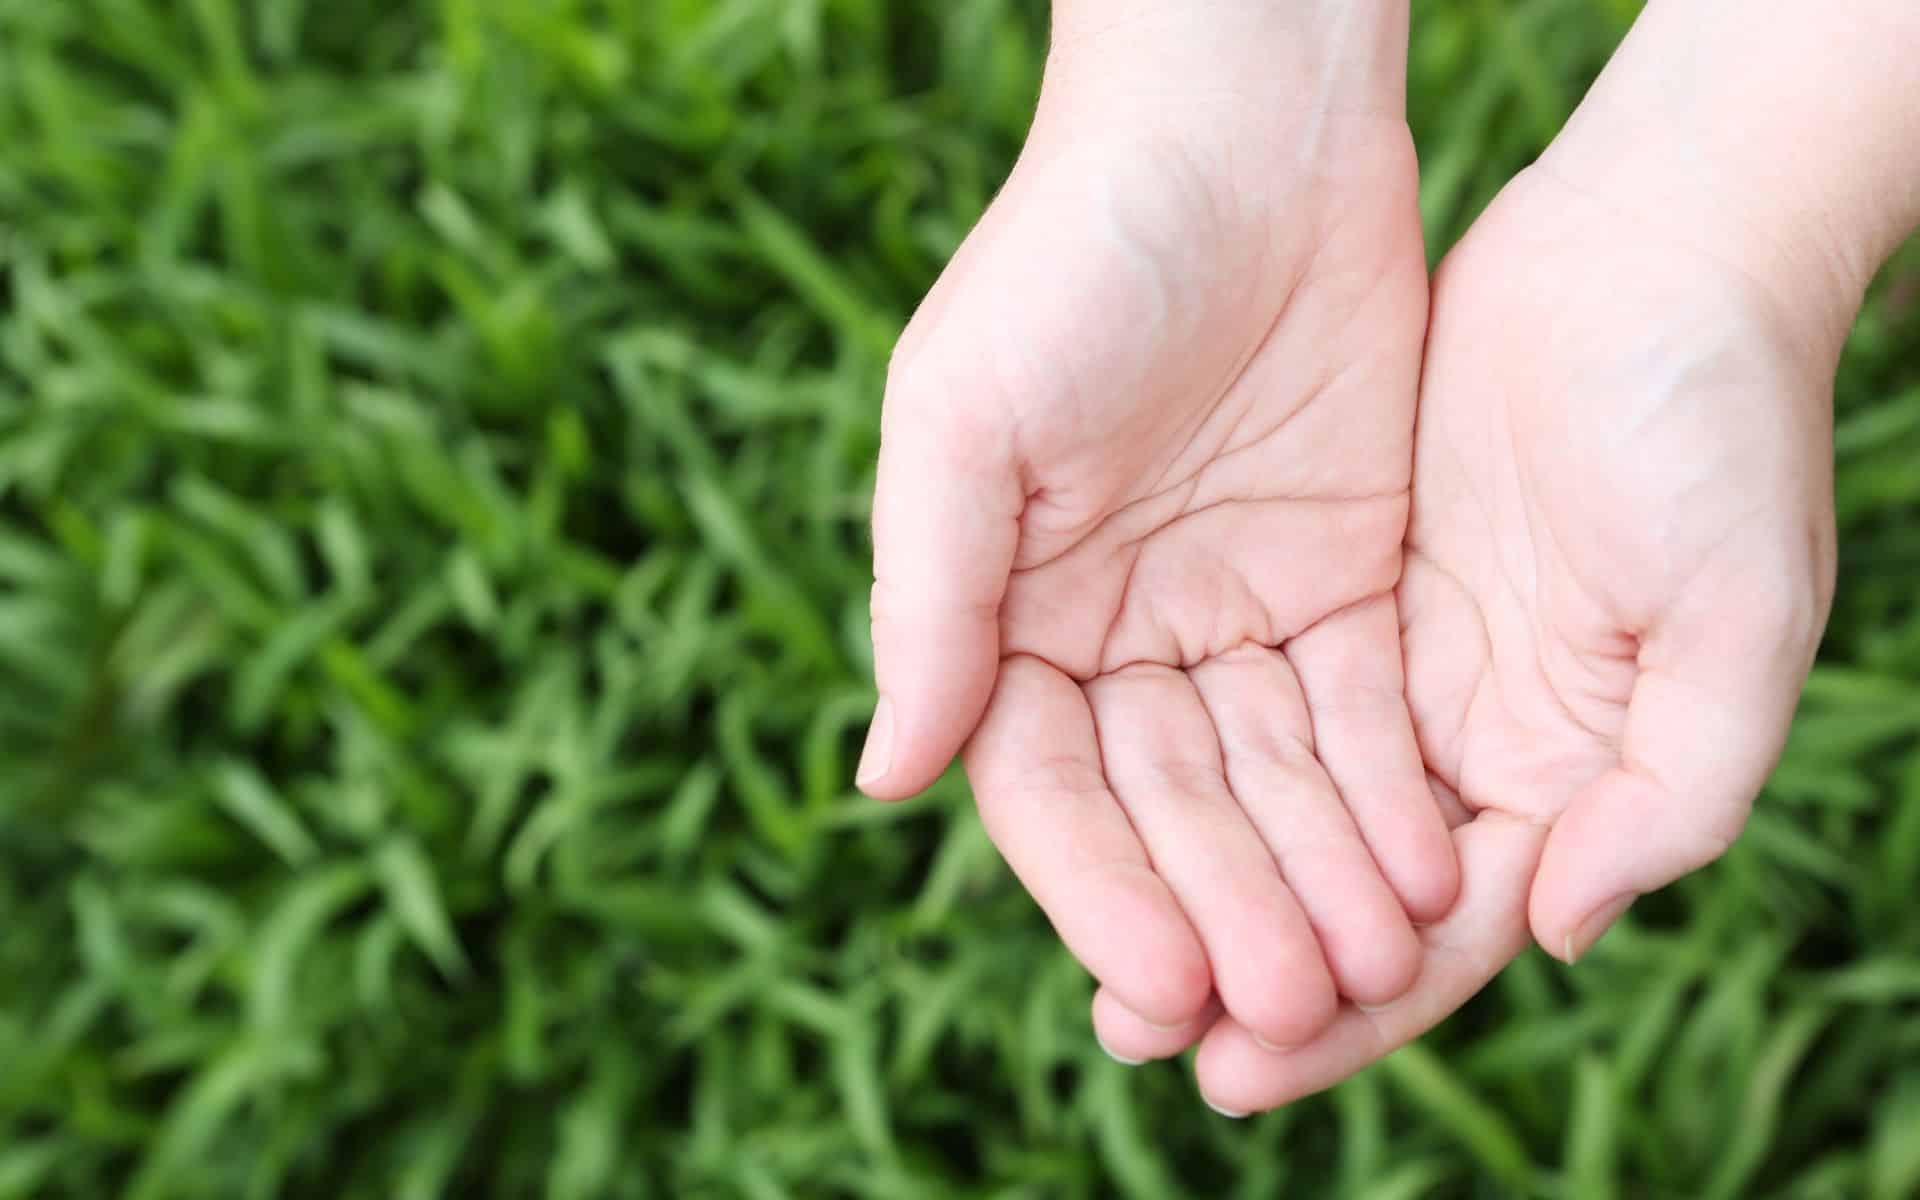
x=1228, y=1113
x=1582, y=939
x=877, y=759
x=1268, y=1046
x=1121, y=1059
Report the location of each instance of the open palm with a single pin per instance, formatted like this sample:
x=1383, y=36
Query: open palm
x=1142, y=495
x=1620, y=560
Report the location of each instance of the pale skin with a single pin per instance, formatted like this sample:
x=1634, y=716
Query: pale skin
x=1142, y=498
x=1617, y=564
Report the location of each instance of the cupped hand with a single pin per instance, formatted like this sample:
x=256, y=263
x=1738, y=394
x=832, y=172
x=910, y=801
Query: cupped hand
x=1621, y=557
x=1142, y=496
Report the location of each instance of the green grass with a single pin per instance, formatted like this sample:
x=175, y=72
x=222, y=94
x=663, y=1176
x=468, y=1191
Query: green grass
x=435, y=441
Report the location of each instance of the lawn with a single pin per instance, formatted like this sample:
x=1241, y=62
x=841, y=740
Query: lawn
x=435, y=446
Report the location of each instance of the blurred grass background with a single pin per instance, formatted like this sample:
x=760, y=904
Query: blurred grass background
x=435, y=441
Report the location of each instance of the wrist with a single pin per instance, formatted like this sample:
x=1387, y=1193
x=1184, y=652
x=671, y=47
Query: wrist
x=1774, y=135
x=1804, y=266
x=1275, y=55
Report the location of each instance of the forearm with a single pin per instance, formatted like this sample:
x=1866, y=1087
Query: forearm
x=1347, y=56
x=1783, y=135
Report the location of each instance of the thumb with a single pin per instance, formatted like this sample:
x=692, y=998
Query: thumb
x=1709, y=715
x=946, y=521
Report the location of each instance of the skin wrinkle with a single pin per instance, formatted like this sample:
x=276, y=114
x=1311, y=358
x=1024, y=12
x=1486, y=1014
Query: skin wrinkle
x=1544, y=546
x=1594, y=690
x=1277, y=644
x=1469, y=479
x=1250, y=594
x=1362, y=498
x=1532, y=589
x=1287, y=745
x=1322, y=387
x=1505, y=687
x=1073, y=404
x=1197, y=279
x=1780, y=308
x=1432, y=754
x=1538, y=587
x=1298, y=812
x=1609, y=740
x=1542, y=613
x=1623, y=515
x=1490, y=688
x=1247, y=878
x=1503, y=568
x=1102, y=789
x=1349, y=691
x=1235, y=378
x=1148, y=265
x=1230, y=451
x=1326, y=385
x=1181, y=776
x=1137, y=550
x=1457, y=813
x=1567, y=569
x=1184, y=508
x=1116, y=517
x=1218, y=585
x=1226, y=771
x=1304, y=741
x=1339, y=68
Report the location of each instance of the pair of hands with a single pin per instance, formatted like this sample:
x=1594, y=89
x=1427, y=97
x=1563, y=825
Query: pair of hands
x=1314, y=633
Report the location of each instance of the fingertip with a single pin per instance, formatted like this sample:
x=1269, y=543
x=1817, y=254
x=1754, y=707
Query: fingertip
x=917, y=731
x=876, y=758
x=1286, y=1008
x=1383, y=970
x=1115, y=1055
x=1569, y=939
x=1131, y=1039
x=1238, y=1072
x=1424, y=872
x=897, y=786
x=1405, y=830
x=1621, y=836
x=892, y=790
x=1172, y=994
x=1126, y=928
x=1155, y=969
x=1549, y=922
